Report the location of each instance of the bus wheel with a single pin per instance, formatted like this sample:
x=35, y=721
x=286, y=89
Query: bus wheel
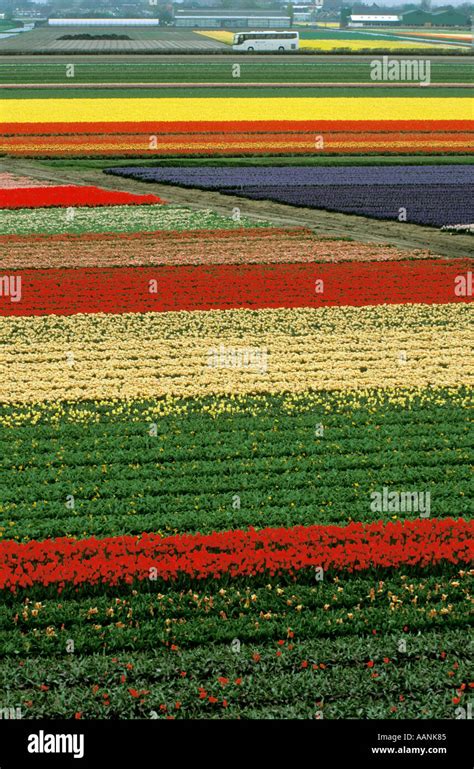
x=281, y=49
x=250, y=48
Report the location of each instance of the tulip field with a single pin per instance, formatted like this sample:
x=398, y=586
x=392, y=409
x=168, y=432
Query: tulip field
x=68, y=196
x=236, y=119
x=236, y=458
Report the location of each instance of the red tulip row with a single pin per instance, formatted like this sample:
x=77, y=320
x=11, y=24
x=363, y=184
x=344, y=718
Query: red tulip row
x=69, y=195
x=68, y=562
x=68, y=291
x=187, y=127
x=256, y=142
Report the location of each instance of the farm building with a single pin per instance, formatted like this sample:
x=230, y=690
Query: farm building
x=448, y=17
x=210, y=18
x=386, y=17
x=372, y=20
x=373, y=16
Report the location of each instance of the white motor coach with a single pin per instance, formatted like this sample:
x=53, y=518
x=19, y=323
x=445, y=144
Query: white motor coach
x=266, y=41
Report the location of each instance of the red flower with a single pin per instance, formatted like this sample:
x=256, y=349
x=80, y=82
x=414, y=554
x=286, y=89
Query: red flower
x=456, y=700
x=213, y=700
x=44, y=688
x=78, y=715
x=370, y=664
x=223, y=681
x=256, y=657
x=65, y=561
x=70, y=195
x=238, y=681
x=134, y=693
x=304, y=664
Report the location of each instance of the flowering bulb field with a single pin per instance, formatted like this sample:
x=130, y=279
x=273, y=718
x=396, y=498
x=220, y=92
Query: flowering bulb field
x=378, y=139
x=266, y=245
x=237, y=120
x=64, y=562
x=64, y=196
x=236, y=375
x=430, y=195
x=225, y=286
x=235, y=456
x=352, y=40
x=9, y=181
x=111, y=218
x=255, y=176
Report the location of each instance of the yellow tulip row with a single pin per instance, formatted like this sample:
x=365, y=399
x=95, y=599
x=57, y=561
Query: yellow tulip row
x=233, y=352
x=149, y=411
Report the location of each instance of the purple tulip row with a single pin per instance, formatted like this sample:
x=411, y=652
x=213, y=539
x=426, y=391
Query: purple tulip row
x=428, y=195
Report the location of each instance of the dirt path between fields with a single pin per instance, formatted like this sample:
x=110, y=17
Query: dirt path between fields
x=324, y=223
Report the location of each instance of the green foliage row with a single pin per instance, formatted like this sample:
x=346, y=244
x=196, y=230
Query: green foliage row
x=347, y=647
x=196, y=470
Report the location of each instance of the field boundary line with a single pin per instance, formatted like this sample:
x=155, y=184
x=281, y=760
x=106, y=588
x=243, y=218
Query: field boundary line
x=106, y=86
